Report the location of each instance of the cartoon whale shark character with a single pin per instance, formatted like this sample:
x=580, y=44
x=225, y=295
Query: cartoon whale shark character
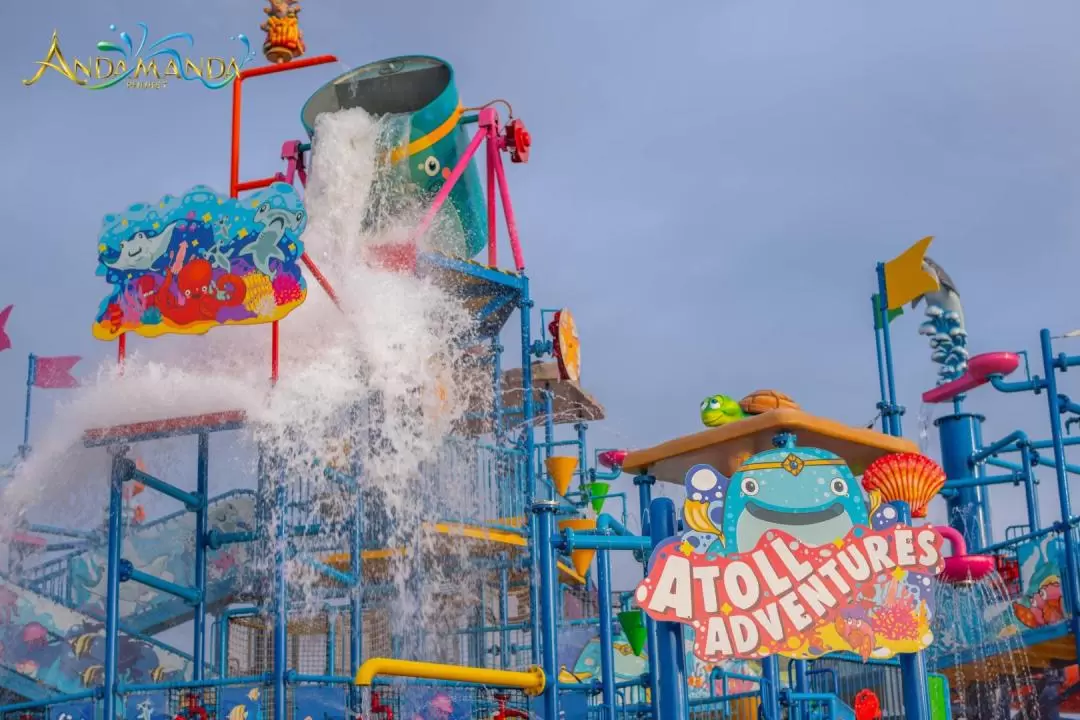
x=718, y=410
x=264, y=247
x=808, y=493
x=142, y=250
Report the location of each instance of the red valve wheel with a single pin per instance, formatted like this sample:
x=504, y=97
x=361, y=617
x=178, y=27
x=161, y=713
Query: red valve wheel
x=518, y=140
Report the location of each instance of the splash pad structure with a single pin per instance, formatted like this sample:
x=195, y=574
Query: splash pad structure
x=410, y=548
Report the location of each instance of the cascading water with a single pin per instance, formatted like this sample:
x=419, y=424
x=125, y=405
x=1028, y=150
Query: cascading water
x=372, y=388
x=975, y=643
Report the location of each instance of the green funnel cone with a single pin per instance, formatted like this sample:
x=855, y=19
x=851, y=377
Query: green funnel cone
x=597, y=491
x=633, y=625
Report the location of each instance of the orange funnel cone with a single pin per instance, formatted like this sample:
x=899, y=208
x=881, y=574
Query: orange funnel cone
x=561, y=469
x=633, y=627
x=581, y=559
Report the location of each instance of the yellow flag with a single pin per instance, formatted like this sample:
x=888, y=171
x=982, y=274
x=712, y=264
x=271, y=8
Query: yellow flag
x=905, y=278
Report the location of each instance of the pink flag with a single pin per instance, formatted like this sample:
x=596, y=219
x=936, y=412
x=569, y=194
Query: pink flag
x=5, y=341
x=55, y=372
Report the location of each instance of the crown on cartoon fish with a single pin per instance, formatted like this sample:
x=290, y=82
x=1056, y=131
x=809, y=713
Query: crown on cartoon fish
x=792, y=462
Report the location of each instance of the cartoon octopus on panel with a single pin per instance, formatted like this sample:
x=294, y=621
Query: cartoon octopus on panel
x=186, y=264
x=787, y=558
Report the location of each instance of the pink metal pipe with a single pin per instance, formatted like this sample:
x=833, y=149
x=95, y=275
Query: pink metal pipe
x=493, y=229
x=444, y=191
x=508, y=210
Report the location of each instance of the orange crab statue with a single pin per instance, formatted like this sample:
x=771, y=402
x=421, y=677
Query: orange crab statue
x=284, y=39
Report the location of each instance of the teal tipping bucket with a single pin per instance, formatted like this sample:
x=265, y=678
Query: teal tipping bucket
x=422, y=90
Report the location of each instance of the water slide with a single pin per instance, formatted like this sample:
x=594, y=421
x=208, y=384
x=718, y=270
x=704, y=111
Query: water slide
x=51, y=619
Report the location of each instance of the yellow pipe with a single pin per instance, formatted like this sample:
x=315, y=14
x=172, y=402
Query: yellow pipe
x=532, y=681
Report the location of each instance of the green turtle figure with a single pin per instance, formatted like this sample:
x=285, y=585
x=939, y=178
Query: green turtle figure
x=718, y=410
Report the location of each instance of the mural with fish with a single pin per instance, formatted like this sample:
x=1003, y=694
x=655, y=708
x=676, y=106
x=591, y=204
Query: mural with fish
x=64, y=650
x=189, y=263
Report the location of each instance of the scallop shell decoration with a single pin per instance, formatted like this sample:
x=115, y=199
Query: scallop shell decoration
x=909, y=477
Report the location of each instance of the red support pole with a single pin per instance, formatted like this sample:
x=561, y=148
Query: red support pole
x=121, y=351
x=274, y=352
x=236, y=187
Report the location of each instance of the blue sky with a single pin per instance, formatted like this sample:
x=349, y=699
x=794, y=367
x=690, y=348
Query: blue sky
x=709, y=189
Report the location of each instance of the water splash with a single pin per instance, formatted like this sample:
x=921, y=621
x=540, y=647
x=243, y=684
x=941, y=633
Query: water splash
x=373, y=390
x=980, y=650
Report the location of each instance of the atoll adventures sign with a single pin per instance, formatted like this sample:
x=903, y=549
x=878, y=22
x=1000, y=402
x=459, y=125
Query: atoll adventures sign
x=786, y=559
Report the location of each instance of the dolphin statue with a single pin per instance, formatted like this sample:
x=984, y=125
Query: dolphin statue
x=264, y=247
x=142, y=250
x=946, y=297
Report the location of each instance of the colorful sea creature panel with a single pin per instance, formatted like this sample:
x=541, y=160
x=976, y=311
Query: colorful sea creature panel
x=186, y=264
x=811, y=494
x=718, y=410
x=62, y=649
x=785, y=558
x=1042, y=602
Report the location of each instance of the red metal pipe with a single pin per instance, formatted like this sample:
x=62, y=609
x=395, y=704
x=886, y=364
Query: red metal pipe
x=258, y=184
x=285, y=66
x=378, y=707
x=320, y=278
x=121, y=351
x=274, y=352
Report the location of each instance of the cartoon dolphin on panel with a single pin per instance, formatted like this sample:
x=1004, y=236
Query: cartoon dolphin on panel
x=264, y=247
x=142, y=249
x=808, y=493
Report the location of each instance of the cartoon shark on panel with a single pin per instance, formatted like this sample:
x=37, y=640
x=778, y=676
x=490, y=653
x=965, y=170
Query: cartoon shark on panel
x=808, y=493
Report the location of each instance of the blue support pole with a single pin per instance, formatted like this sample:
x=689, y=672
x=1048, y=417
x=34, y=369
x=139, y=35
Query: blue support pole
x=549, y=421
x=527, y=413
x=770, y=688
x=496, y=400
x=544, y=549
x=24, y=449
x=893, y=411
x=202, y=489
x=544, y=517
x=913, y=673
x=1072, y=585
x=802, y=685
x=504, y=612
x=961, y=438
x=880, y=365
x=607, y=647
x=331, y=642
x=671, y=659
x=281, y=597
x=356, y=592
x=112, y=591
x=583, y=458
x=644, y=485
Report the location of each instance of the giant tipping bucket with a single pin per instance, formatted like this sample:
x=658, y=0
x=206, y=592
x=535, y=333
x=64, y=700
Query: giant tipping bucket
x=420, y=89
